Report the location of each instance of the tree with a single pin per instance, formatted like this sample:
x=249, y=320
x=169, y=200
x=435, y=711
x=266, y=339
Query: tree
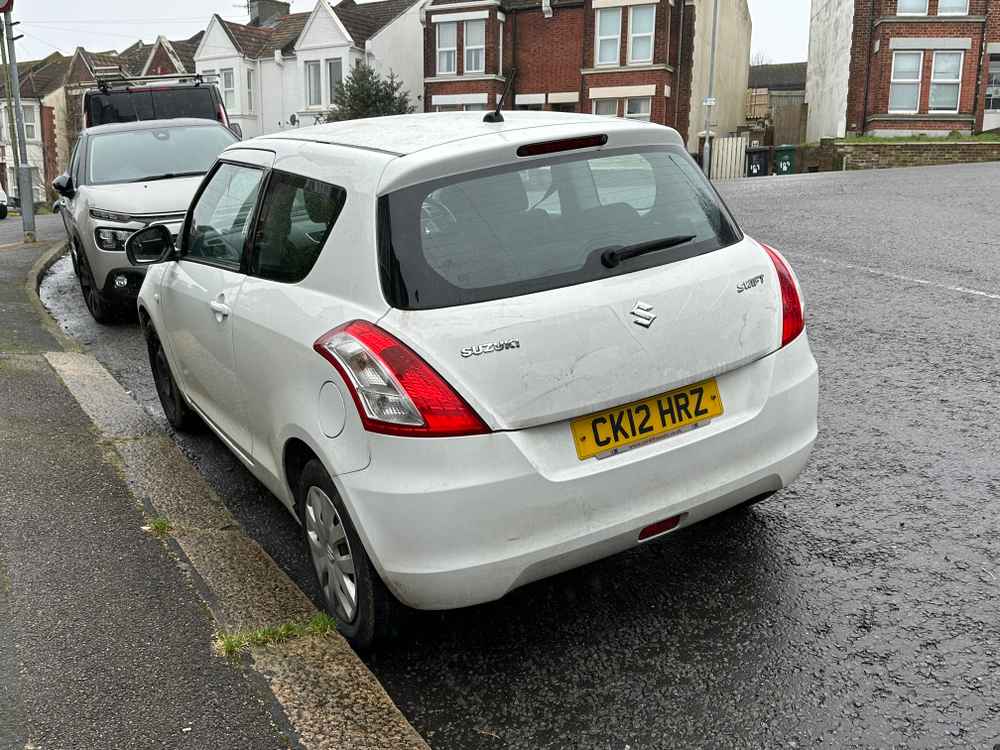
x=760, y=57
x=364, y=93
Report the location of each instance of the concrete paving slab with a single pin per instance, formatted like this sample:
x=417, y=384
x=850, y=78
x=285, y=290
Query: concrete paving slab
x=333, y=700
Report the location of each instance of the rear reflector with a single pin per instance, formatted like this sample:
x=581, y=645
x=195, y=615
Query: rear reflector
x=660, y=527
x=566, y=144
x=395, y=391
x=792, y=319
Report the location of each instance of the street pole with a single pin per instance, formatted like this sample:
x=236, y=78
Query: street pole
x=24, y=189
x=706, y=156
x=10, y=109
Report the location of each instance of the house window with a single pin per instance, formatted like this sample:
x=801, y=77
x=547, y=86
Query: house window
x=993, y=86
x=314, y=86
x=953, y=7
x=334, y=74
x=912, y=8
x=475, y=107
x=609, y=27
x=228, y=88
x=447, y=48
x=946, y=81
x=640, y=33
x=904, y=91
x=606, y=107
x=30, y=132
x=638, y=107
x=251, y=91
x=475, y=46
x=449, y=108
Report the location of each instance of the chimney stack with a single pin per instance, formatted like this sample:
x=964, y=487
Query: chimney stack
x=264, y=11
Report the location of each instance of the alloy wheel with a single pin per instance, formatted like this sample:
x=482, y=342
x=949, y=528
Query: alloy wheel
x=331, y=554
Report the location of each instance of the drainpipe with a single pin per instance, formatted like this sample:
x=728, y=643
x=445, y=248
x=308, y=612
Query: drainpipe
x=979, y=71
x=677, y=73
x=868, y=68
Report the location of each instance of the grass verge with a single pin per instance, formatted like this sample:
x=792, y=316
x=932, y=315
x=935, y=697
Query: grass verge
x=241, y=641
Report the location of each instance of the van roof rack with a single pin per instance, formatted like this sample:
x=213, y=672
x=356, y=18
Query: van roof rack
x=108, y=76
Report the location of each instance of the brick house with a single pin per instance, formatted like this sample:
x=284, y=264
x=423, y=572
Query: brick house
x=628, y=58
x=903, y=67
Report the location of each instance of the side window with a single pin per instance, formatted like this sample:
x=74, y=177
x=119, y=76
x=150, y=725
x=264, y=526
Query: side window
x=296, y=217
x=74, y=165
x=220, y=219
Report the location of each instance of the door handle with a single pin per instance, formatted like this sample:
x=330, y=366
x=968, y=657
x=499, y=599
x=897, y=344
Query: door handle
x=221, y=309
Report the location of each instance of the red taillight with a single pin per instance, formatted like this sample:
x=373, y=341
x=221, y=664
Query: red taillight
x=221, y=113
x=660, y=527
x=396, y=392
x=792, y=319
x=566, y=144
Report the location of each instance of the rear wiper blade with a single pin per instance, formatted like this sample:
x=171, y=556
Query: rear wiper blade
x=612, y=256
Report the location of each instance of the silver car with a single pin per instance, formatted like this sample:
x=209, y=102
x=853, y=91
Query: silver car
x=124, y=177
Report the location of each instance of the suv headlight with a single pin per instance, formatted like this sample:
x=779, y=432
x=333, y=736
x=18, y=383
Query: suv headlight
x=100, y=215
x=112, y=239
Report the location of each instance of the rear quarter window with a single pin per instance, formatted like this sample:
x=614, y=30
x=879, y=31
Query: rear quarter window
x=541, y=225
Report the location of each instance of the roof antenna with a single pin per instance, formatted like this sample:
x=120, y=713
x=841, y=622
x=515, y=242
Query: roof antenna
x=495, y=115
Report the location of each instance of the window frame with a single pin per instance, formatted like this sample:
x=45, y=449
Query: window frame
x=228, y=94
x=595, y=102
x=632, y=36
x=957, y=82
x=438, y=49
x=33, y=124
x=251, y=107
x=646, y=116
x=330, y=84
x=907, y=81
x=466, y=47
x=185, y=234
x=994, y=59
x=952, y=12
x=924, y=12
x=306, y=67
x=598, y=37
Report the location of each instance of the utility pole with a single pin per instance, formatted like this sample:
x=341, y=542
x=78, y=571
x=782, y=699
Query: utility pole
x=706, y=156
x=10, y=110
x=24, y=189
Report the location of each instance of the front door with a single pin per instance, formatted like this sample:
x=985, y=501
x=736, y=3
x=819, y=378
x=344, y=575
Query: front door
x=199, y=293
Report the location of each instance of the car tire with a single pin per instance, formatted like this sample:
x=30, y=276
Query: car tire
x=180, y=416
x=101, y=309
x=330, y=538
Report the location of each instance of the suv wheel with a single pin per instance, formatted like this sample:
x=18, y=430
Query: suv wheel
x=178, y=413
x=353, y=593
x=99, y=306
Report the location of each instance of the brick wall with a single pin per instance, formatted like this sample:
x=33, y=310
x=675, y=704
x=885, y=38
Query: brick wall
x=49, y=171
x=549, y=51
x=885, y=155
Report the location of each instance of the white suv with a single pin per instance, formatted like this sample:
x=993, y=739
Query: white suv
x=468, y=355
x=122, y=178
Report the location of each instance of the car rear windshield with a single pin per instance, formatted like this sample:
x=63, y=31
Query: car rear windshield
x=155, y=153
x=151, y=104
x=544, y=224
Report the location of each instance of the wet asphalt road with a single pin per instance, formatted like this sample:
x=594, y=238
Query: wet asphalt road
x=858, y=608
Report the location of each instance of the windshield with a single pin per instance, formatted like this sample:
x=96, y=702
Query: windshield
x=544, y=224
x=137, y=155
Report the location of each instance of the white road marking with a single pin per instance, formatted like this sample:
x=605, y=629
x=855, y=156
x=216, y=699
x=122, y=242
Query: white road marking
x=901, y=277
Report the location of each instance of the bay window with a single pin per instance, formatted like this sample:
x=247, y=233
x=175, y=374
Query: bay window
x=475, y=46
x=608, y=36
x=447, y=48
x=946, y=81
x=314, y=85
x=228, y=88
x=904, y=91
x=251, y=92
x=334, y=75
x=993, y=84
x=640, y=33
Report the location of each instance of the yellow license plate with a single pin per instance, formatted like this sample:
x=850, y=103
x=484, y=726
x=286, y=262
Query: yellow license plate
x=644, y=420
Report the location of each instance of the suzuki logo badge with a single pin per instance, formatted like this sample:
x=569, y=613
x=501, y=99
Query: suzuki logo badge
x=642, y=314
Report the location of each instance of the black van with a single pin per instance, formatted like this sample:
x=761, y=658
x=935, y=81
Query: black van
x=130, y=103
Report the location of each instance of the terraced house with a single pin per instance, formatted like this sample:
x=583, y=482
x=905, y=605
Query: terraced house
x=627, y=58
x=900, y=67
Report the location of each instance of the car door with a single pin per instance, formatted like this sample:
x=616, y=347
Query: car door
x=67, y=206
x=199, y=292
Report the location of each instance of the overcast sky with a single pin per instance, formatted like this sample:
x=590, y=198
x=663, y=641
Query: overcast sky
x=780, y=27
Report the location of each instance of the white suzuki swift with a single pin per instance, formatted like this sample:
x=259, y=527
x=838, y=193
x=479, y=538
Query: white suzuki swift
x=468, y=355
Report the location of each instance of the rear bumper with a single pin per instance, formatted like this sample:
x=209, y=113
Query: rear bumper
x=464, y=520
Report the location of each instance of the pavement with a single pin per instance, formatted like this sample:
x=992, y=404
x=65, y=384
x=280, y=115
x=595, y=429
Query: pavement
x=857, y=608
x=106, y=628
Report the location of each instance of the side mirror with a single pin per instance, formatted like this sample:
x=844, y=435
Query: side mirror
x=154, y=244
x=236, y=129
x=63, y=184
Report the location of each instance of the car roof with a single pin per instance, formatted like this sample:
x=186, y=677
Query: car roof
x=172, y=122
x=400, y=135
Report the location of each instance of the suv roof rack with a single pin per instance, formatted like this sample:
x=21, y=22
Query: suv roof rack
x=109, y=76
